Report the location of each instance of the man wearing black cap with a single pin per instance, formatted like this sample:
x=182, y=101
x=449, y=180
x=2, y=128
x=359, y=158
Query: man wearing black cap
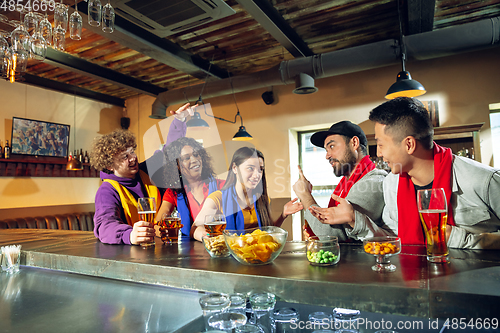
x=346, y=150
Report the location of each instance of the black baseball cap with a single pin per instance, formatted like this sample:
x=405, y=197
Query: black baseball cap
x=345, y=128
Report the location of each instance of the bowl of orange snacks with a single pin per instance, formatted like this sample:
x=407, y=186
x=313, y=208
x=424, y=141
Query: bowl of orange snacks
x=256, y=246
x=382, y=248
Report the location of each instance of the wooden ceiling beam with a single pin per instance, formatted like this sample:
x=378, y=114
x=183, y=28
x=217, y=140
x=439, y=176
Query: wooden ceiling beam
x=269, y=18
x=160, y=49
x=419, y=16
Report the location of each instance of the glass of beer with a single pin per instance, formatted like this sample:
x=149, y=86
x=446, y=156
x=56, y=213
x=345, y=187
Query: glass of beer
x=146, y=208
x=215, y=224
x=433, y=211
x=169, y=227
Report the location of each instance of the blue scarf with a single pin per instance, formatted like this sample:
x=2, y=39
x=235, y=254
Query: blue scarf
x=183, y=208
x=232, y=211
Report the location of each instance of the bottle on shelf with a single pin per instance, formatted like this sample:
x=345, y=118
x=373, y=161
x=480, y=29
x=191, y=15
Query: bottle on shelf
x=86, y=158
x=6, y=151
x=70, y=156
x=1, y=150
x=80, y=156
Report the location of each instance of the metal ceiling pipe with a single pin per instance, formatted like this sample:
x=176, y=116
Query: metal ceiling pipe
x=428, y=45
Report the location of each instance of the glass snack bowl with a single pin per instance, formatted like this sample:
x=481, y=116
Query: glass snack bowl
x=215, y=246
x=383, y=248
x=256, y=246
x=323, y=250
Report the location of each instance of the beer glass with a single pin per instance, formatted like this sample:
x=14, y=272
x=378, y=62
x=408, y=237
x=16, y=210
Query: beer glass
x=433, y=208
x=146, y=207
x=215, y=224
x=169, y=227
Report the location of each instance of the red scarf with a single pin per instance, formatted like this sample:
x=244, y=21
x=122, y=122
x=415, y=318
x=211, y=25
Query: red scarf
x=342, y=189
x=409, y=226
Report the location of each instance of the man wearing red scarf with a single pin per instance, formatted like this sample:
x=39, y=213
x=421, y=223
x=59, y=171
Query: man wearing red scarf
x=404, y=136
x=346, y=150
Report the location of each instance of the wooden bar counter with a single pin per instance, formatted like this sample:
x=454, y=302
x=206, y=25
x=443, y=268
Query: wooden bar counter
x=468, y=287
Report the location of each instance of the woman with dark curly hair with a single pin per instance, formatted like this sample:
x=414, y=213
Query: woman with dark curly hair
x=243, y=199
x=190, y=179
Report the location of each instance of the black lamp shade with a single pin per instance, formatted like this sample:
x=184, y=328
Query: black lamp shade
x=405, y=87
x=242, y=135
x=196, y=121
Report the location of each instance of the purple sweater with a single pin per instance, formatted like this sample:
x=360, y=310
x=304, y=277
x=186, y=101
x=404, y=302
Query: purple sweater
x=110, y=223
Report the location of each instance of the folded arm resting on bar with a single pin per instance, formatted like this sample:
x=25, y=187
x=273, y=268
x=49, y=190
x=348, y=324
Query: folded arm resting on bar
x=476, y=207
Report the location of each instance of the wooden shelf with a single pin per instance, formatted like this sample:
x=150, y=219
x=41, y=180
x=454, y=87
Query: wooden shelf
x=42, y=166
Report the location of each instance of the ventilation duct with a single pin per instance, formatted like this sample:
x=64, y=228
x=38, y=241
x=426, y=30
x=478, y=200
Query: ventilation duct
x=428, y=45
x=164, y=18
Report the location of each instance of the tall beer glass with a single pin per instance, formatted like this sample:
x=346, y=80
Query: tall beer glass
x=146, y=207
x=432, y=208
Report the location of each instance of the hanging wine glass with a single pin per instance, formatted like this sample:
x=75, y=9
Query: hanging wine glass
x=31, y=22
x=45, y=29
x=59, y=38
x=38, y=47
x=4, y=53
x=20, y=37
x=108, y=18
x=18, y=64
x=61, y=16
x=94, y=12
x=75, y=24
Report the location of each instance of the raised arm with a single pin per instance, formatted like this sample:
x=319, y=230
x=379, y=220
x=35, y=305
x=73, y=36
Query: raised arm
x=302, y=189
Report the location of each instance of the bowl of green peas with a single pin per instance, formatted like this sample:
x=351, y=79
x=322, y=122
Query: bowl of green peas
x=323, y=250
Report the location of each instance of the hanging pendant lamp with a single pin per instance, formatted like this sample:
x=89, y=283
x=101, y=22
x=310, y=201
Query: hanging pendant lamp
x=405, y=86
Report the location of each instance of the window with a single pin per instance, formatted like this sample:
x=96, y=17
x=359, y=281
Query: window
x=495, y=133
x=316, y=169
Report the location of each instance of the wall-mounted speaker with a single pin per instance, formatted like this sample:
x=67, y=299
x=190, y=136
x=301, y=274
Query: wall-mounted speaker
x=268, y=97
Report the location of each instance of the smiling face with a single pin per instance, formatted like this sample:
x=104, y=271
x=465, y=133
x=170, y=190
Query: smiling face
x=394, y=153
x=190, y=163
x=125, y=164
x=340, y=155
x=249, y=173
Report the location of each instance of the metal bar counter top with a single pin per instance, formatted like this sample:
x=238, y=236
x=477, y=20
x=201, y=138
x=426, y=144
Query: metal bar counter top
x=468, y=287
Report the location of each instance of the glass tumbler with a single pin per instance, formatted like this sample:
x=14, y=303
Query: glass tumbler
x=323, y=250
x=285, y=320
x=212, y=304
x=320, y=320
x=238, y=303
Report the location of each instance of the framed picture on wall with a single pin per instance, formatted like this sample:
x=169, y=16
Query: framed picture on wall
x=39, y=138
x=433, y=109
